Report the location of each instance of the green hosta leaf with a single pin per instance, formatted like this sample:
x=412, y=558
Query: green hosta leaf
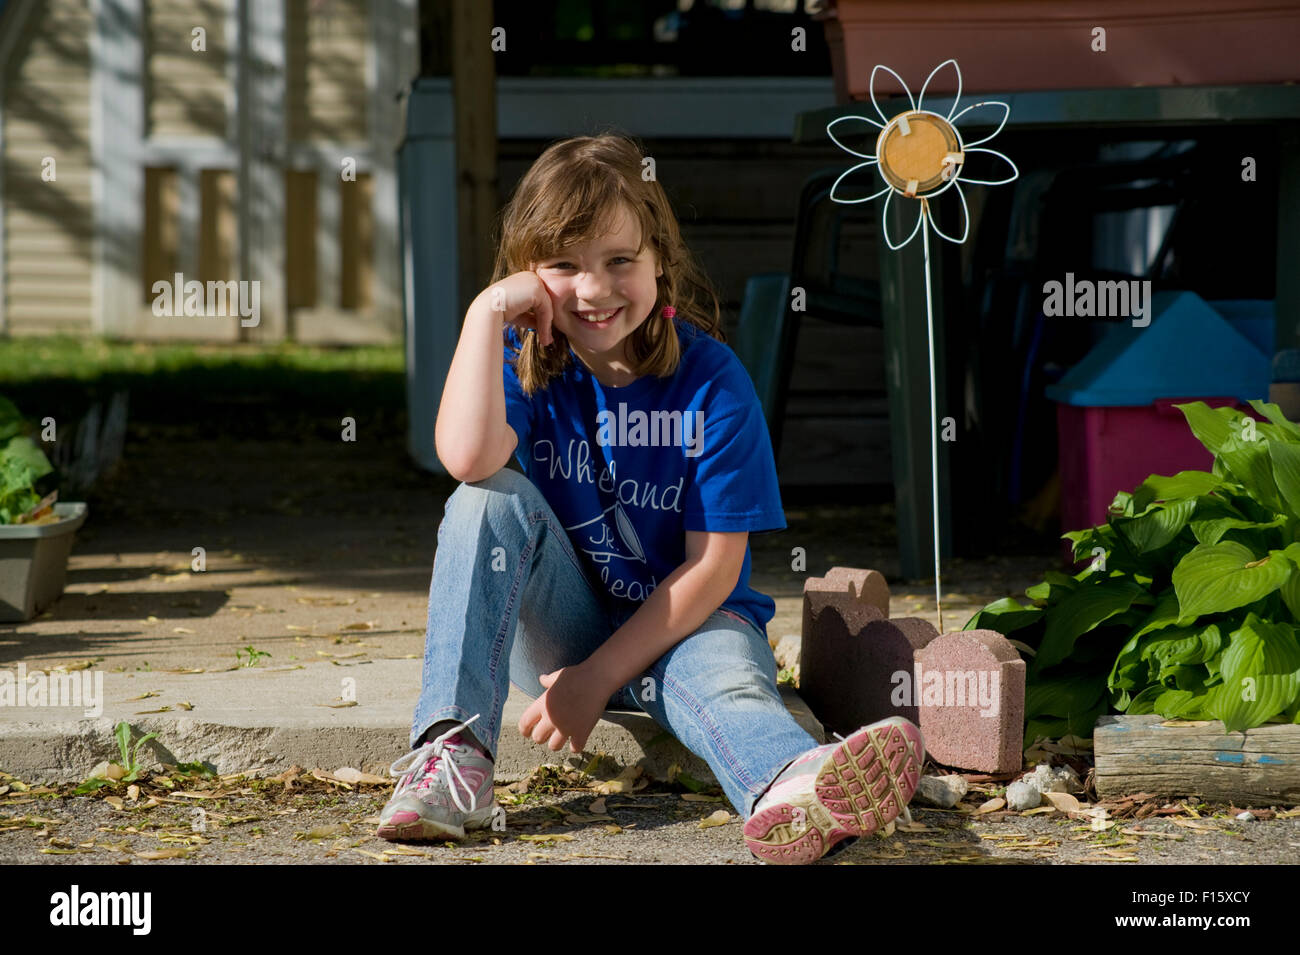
x=1005, y=616
x=1290, y=589
x=11, y=422
x=1129, y=671
x=1145, y=701
x=1157, y=527
x=1274, y=414
x=1212, y=426
x=1252, y=467
x=1079, y=612
x=1182, y=484
x=1261, y=674
x=1122, y=505
x=1063, y=696
x=1055, y=587
x=1286, y=473
x=25, y=452
x=1184, y=704
x=1214, y=578
x=1163, y=614
x=1076, y=724
x=1085, y=541
x=1183, y=645
x=1212, y=531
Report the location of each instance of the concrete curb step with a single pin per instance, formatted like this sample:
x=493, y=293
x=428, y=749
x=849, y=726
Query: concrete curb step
x=263, y=720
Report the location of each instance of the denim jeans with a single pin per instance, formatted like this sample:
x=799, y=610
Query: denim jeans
x=510, y=600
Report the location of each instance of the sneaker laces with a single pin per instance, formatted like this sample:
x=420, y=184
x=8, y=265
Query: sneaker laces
x=436, y=751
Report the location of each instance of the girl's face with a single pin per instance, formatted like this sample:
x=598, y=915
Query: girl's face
x=598, y=277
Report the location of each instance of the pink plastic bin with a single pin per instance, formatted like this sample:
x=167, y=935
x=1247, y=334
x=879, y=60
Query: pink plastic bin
x=1108, y=449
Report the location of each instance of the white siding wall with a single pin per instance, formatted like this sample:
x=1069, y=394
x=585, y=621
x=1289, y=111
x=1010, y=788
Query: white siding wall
x=48, y=225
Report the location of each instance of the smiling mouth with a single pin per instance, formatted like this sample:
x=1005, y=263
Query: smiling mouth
x=599, y=318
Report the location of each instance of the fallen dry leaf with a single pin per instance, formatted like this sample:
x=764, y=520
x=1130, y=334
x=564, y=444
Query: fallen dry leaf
x=1062, y=801
x=917, y=827
x=350, y=775
x=176, y=853
x=993, y=805
x=719, y=818
x=629, y=780
x=597, y=806
x=577, y=818
x=1156, y=835
x=326, y=832
x=329, y=778
x=115, y=802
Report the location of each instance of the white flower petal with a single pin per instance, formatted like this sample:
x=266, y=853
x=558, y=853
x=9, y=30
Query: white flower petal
x=871, y=87
x=885, y=227
x=1006, y=112
x=835, y=140
x=965, y=215
x=920, y=101
x=1015, y=173
x=846, y=173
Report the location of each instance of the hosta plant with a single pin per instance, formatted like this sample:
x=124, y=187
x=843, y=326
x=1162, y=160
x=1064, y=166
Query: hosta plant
x=1190, y=604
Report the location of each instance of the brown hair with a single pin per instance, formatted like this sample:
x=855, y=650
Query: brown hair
x=573, y=193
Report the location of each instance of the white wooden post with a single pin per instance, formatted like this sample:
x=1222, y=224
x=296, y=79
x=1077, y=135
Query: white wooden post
x=116, y=134
x=394, y=51
x=263, y=145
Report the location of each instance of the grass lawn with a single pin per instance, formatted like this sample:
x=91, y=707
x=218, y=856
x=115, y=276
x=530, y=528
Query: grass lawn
x=244, y=390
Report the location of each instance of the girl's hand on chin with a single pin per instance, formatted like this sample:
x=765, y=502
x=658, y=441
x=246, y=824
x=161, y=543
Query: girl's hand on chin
x=524, y=302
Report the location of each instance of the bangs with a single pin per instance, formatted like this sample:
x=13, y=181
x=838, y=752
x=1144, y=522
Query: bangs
x=578, y=205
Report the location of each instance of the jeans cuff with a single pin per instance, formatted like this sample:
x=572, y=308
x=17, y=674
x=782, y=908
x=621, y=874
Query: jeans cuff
x=459, y=715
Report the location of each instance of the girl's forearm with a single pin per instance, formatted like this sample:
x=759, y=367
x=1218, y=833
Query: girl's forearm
x=470, y=431
x=675, y=609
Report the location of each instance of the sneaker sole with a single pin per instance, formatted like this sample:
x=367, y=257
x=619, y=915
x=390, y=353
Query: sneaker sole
x=862, y=786
x=407, y=826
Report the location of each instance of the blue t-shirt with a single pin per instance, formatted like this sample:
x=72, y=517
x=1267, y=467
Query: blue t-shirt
x=628, y=471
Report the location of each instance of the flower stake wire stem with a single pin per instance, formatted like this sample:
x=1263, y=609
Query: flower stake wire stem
x=920, y=154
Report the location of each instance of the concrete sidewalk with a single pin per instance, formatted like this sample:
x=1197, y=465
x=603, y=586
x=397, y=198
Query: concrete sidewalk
x=265, y=719
x=321, y=557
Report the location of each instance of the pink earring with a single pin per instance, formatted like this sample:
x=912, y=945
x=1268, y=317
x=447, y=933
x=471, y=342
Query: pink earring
x=669, y=311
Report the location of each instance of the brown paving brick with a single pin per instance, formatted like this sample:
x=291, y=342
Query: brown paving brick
x=985, y=734
x=851, y=651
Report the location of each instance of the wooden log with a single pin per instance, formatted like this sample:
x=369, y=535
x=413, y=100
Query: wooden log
x=1149, y=753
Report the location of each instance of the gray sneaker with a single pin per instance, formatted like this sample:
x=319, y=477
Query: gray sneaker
x=445, y=787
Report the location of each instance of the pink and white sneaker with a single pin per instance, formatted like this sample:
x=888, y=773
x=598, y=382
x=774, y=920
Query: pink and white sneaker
x=849, y=788
x=445, y=788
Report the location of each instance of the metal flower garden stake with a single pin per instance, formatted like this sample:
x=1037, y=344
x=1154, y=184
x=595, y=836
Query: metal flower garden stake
x=919, y=155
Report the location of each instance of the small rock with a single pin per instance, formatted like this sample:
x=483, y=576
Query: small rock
x=1053, y=779
x=787, y=651
x=1246, y=817
x=942, y=791
x=1022, y=796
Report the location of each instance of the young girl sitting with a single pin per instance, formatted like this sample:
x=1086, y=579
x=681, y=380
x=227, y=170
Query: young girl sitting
x=614, y=570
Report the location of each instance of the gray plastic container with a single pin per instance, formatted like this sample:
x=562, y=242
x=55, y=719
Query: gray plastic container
x=34, y=562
